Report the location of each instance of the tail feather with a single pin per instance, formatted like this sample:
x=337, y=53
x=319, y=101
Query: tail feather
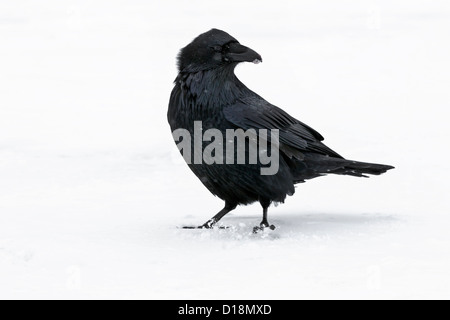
x=361, y=169
x=316, y=166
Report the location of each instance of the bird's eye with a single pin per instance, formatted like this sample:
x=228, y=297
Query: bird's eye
x=226, y=47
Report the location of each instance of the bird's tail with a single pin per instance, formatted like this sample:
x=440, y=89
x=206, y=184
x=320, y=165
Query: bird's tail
x=359, y=169
x=322, y=165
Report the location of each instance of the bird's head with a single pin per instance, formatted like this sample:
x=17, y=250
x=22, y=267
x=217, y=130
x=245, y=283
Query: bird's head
x=214, y=49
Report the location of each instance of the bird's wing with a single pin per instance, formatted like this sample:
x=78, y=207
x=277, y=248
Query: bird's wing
x=256, y=113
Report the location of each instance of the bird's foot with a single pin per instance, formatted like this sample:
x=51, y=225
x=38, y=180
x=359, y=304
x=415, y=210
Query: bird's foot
x=204, y=227
x=211, y=224
x=263, y=227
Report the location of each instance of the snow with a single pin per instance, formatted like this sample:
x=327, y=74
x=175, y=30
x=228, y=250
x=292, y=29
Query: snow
x=92, y=190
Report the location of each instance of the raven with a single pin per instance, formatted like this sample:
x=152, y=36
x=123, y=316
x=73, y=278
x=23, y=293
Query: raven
x=207, y=90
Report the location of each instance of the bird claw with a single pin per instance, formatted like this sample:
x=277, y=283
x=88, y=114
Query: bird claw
x=263, y=228
x=190, y=227
x=204, y=227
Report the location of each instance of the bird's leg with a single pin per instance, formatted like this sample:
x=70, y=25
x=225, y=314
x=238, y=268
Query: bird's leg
x=264, y=223
x=212, y=222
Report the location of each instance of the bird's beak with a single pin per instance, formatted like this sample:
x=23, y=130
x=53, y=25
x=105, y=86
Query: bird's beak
x=240, y=53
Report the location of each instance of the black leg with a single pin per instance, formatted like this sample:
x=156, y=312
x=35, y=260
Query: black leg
x=228, y=208
x=212, y=222
x=265, y=222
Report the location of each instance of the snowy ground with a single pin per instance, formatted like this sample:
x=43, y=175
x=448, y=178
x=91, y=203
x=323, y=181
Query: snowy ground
x=92, y=189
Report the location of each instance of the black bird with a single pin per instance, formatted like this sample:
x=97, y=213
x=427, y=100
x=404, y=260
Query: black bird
x=207, y=90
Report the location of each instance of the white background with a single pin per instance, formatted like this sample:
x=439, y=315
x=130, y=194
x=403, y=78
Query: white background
x=92, y=189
